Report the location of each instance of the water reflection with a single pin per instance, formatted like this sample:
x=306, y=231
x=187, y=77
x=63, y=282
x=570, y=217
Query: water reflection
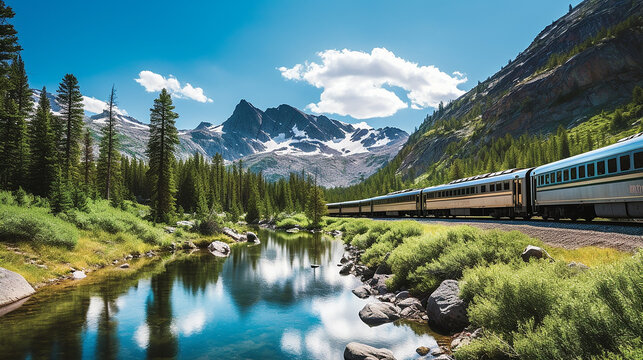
x=265, y=301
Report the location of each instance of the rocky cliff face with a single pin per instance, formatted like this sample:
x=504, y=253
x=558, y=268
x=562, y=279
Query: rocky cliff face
x=525, y=97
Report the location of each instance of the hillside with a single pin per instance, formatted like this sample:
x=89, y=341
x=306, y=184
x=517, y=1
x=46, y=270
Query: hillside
x=586, y=62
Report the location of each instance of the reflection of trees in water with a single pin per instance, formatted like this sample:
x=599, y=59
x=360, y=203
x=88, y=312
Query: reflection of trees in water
x=285, y=255
x=196, y=272
x=106, y=339
x=162, y=341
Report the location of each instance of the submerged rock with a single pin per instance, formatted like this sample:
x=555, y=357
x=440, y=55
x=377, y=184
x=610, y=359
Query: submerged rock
x=13, y=287
x=379, y=313
x=219, y=248
x=445, y=308
x=358, y=351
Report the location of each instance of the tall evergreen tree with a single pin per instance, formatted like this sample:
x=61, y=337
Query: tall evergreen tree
x=88, y=161
x=160, y=151
x=10, y=132
x=42, y=159
x=253, y=213
x=8, y=38
x=20, y=94
x=69, y=125
x=109, y=159
x=316, y=206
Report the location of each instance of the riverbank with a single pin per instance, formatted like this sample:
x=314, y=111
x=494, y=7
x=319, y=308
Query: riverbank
x=545, y=308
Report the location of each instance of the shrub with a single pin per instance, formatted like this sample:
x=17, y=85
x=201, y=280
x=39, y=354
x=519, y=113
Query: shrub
x=6, y=198
x=35, y=225
x=209, y=226
x=286, y=221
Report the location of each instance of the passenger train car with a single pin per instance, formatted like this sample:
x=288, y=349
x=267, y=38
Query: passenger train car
x=606, y=182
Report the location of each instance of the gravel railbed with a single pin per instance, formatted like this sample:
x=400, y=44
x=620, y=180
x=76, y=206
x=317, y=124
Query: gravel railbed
x=569, y=235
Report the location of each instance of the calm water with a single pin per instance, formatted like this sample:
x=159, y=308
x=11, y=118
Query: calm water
x=264, y=301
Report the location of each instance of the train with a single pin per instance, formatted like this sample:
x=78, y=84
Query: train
x=604, y=183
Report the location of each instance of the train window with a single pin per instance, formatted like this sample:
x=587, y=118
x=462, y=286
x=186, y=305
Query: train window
x=581, y=171
x=624, y=162
x=492, y=187
x=611, y=165
x=483, y=188
x=600, y=167
x=572, y=173
x=559, y=176
x=590, y=170
x=565, y=175
x=638, y=160
x=506, y=185
x=473, y=190
x=548, y=178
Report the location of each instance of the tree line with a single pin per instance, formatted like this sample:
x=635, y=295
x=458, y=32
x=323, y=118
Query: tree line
x=52, y=156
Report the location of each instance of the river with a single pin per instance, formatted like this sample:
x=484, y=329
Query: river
x=263, y=302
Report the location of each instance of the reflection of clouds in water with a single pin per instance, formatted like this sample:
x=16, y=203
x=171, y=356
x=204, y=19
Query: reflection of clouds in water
x=341, y=325
x=93, y=312
x=291, y=342
x=190, y=324
x=142, y=336
x=214, y=292
x=277, y=269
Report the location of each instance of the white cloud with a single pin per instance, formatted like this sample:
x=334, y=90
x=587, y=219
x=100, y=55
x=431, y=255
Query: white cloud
x=153, y=82
x=93, y=105
x=355, y=83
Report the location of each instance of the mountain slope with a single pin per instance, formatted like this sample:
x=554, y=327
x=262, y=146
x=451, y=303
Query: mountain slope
x=276, y=141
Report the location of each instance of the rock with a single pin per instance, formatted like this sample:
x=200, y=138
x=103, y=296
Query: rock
x=292, y=231
x=443, y=357
x=346, y=258
x=252, y=237
x=378, y=283
x=437, y=351
x=170, y=229
x=188, y=245
x=185, y=223
x=422, y=350
x=402, y=295
x=124, y=266
x=464, y=338
x=219, y=248
x=231, y=234
x=336, y=233
x=13, y=287
x=358, y=351
x=445, y=308
x=346, y=269
x=383, y=267
x=578, y=265
x=390, y=297
x=78, y=274
x=534, y=252
x=409, y=302
x=379, y=313
x=362, y=291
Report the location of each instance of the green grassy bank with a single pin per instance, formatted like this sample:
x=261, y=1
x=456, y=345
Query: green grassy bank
x=535, y=310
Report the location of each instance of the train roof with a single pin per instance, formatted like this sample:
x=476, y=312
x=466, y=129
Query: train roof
x=396, y=194
x=630, y=143
x=482, y=179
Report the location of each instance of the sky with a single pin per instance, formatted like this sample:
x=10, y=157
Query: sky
x=388, y=63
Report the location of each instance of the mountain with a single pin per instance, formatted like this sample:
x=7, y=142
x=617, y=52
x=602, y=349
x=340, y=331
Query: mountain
x=587, y=61
x=277, y=141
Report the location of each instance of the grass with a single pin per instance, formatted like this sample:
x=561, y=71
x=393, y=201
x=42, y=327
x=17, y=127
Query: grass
x=35, y=225
x=535, y=310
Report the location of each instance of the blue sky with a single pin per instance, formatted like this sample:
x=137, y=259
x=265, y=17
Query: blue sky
x=233, y=50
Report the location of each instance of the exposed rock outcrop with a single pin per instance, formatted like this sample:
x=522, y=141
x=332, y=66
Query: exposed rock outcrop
x=445, y=308
x=358, y=351
x=219, y=249
x=13, y=287
x=379, y=313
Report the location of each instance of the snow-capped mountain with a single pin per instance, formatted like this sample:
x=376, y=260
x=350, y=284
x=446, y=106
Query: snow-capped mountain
x=277, y=141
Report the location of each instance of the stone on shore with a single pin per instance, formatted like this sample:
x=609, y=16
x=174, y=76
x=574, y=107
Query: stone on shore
x=346, y=269
x=252, y=237
x=379, y=313
x=362, y=291
x=78, y=274
x=445, y=308
x=422, y=350
x=219, y=249
x=13, y=287
x=358, y=351
x=232, y=234
x=534, y=252
x=124, y=266
x=378, y=283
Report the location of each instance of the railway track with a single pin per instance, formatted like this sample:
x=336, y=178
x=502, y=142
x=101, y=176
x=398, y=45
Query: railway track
x=621, y=235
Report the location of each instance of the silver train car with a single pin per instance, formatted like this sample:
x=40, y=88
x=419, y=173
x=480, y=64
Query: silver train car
x=606, y=182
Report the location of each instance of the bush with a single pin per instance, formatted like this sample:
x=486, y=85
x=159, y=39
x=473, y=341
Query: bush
x=287, y=221
x=35, y=225
x=209, y=226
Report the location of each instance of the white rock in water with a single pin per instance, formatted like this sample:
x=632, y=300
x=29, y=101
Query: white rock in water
x=13, y=287
x=79, y=274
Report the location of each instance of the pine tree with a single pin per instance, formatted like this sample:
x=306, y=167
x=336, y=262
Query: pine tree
x=60, y=194
x=42, y=162
x=69, y=125
x=253, y=214
x=20, y=93
x=9, y=150
x=316, y=206
x=160, y=151
x=88, y=161
x=109, y=159
x=8, y=39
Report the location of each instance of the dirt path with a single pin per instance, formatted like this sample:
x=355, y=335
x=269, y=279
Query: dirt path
x=564, y=234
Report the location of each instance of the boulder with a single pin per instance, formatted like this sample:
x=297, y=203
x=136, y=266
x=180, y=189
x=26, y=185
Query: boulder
x=186, y=223
x=534, y=252
x=13, y=287
x=252, y=237
x=292, y=231
x=578, y=265
x=362, y=291
x=78, y=274
x=409, y=302
x=444, y=357
x=188, y=245
x=346, y=258
x=219, y=249
x=358, y=351
x=402, y=295
x=231, y=233
x=346, y=269
x=378, y=283
x=445, y=308
x=422, y=350
x=390, y=297
x=379, y=313
x=336, y=233
x=464, y=338
x=124, y=266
